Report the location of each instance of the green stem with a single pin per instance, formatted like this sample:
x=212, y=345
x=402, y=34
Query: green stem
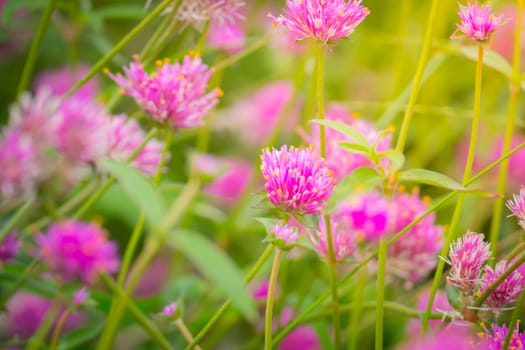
x=15, y=219
x=58, y=328
x=35, y=47
x=380, y=297
x=514, y=91
x=186, y=332
x=19, y=282
x=107, y=57
x=35, y=342
x=268, y=329
x=358, y=296
x=423, y=58
x=160, y=31
x=246, y=52
x=461, y=198
x=320, y=58
x=515, y=251
x=93, y=198
x=486, y=293
x=515, y=314
x=251, y=274
x=202, y=38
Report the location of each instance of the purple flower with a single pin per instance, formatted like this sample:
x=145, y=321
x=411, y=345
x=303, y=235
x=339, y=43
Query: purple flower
x=325, y=21
x=287, y=234
x=9, y=247
x=175, y=93
x=517, y=207
x=19, y=163
x=74, y=249
x=508, y=291
x=477, y=22
x=297, y=180
x=125, y=136
x=494, y=340
x=467, y=256
x=61, y=80
x=343, y=239
x=169, y=310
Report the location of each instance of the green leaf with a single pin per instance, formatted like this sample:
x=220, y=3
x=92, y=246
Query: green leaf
x=346, y=130
x=79, y=337
x=453, y=296
x=491, y=59
x=397, y=158
x=354, y=147
x=430, y=177
x=217, y=267
x=139, y=190
x=361, y=179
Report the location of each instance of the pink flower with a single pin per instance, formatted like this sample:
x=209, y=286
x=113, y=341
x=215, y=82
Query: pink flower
x=82, y=130
x=74, y=249
x=406, y=207
x=342, y=162
x=156, y=277
x=80, y=296
x=505, y=293
x=467, y=256
x=287, y=234
x=297, y=180
x=477, y=22
x=502, y=40
x=440, y=304
x=9, y=247
x=229, y=37
x=494, y=340
x=125, y=136
x=175, y=93
x=450, y=338
x=343, y=240
x=325, y=21
x=61, y=80
x=303, y=337
x=198, y=12
x=19, y=163
x=517, y=206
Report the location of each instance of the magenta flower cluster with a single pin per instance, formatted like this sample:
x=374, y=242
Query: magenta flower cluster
x=517, y=206
x=175, y=93
x=493, y=339
x=478, y=22
x=297, y=180
x=78, y=250
x=506, y=292
x=284, y=235
x=325, y=21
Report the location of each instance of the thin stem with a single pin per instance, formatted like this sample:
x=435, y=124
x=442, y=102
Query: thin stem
x=380, y=297
x=43, y=328
x=251, y=274
x=186, y=332
x=202, y=38
x=514, y=91
x=130, y=249
x=15, y=219
x=423, y=58
x=246, y=52
x=160, y=31
x=19, y=282
x=58, y=328
x=515, y=314
x=35, y=47
x=268, y=329
x=461, y=198
x=355, y=318
x=515, y=251
x=320, y=58
x=93, y=198
x=107, y=57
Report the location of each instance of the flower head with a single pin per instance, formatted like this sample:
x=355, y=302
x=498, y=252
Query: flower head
x=9, y=247
x=229, y=37
x=343, y=240
x=80, y=296
x=467, y=256
x=507, y=291
x=494, y=340
x=169, y=310
x=75, y=249
x=175, y=93
x=297, y=180
x=287, y=235
x=61, y=80
x=198, y=12
x=325, y=21
x=517, y=207
x=478, y=22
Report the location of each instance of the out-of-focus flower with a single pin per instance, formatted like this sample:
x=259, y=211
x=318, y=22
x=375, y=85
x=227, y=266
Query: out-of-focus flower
x=74, y=249
x=324, y=21
x=467, y=256
x=9, y=247
x=175, y=93
x=303, y=337
x=406, y=207
x=19, y=163
x=506, y=292
x=125, y=136
x=287, y=235
x=80, y=296
x=229, y=37
x=61, y=80
x=343, y=240
x=297, y=180
x=502, y=40
x=493, y=340
x=156, y=276
x=172, y=311
x=230, y=176
x=341, y=161
x=440, y=304
x=260, y=289
x=517, y=206
x=255, y=118
x=451, y=338
x=16, y=33
x=477, y=22
x=198, y=12
x=82, y=130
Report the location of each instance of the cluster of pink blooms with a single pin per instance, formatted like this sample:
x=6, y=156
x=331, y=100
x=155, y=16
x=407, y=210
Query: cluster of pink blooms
x=493, y=340
x=477, y=21
x=9, y=247
x=341, y=161
x=323, y=21
x=78, y=250
x=470, y=274
x=175, y=93
x=198, y=12
x=517, y=206
x=297, y=180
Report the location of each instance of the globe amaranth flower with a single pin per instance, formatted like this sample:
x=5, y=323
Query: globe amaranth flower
x=343, y=240
x=75, y=249
x=493, y=339
x=229, y=37
x=467, y=256
x=61, y=80
x=19, y=163
x=322, y=20
x=517, y=206
x=175, y=93
x=297, y=180
x=477, y=21
x=285, y=235
x=9, y=247
x=125, y=136
x=506, y=292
